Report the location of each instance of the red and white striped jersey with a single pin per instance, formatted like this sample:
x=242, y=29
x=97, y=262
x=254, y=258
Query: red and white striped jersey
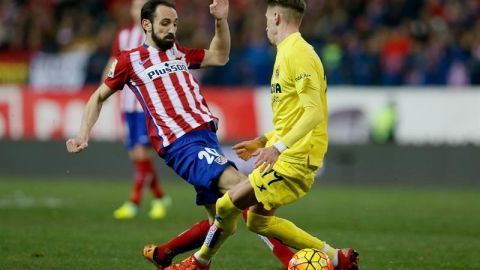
x=168, y=92
x=127, y=39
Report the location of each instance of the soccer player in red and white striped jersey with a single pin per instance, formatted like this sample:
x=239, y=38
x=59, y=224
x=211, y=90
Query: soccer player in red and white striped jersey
x=137, y=140
x=180, y=124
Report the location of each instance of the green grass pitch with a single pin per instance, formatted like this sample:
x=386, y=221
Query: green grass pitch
x=69, y=225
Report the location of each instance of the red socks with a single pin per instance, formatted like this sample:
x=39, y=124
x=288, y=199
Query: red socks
x=188, y=240
x=145, y=171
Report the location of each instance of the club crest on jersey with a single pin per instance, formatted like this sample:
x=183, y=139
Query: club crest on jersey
x=221, y=160
x=165, y=68
x=111, y=72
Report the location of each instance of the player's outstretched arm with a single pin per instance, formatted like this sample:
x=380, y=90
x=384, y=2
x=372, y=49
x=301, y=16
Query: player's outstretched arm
x=90, y=116
x=218, y=52
x=245, y=149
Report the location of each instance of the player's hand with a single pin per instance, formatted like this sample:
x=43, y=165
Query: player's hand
x=245, y=149
x=76, y=145
x=266, y=157
x=219, y=9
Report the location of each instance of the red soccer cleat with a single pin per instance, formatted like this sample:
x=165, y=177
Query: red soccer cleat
x=347, y=259
x=151, y=253
x=189, y=263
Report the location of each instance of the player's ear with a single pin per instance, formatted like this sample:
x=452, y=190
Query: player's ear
x=147, y=25
x=276, y=18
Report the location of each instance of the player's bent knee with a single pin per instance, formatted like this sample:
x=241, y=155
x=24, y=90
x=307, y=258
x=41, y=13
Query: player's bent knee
x=258, y=223
x=226, y=208
x=227, y=213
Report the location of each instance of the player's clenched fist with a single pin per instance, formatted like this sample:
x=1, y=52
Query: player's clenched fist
x=76, y=145
x=219, y=9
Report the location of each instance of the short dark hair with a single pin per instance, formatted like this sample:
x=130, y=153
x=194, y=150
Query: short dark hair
x=148, y=9
x=297, y=5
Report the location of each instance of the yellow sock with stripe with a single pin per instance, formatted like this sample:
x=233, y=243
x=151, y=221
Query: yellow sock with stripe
x=225, y=225
x=287, y=232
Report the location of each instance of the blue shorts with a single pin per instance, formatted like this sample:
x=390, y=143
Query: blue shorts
x=198, y=158
x=136, y=130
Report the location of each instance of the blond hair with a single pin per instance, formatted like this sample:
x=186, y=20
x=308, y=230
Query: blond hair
x=296, y=6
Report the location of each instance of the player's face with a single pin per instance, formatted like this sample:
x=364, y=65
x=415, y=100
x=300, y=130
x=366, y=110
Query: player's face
x=164, y=27
x=271, y=25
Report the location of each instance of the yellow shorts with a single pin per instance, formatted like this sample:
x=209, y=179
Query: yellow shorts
x=286, y=183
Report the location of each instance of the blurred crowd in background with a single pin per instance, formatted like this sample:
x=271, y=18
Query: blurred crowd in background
x=361, y=42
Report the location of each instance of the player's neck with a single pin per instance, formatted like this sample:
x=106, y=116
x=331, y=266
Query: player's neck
x=286, y=32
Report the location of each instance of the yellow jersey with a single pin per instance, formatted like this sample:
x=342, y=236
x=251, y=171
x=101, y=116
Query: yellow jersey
x=299, y=103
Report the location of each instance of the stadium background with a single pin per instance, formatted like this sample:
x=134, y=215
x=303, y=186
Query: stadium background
x=404, y=105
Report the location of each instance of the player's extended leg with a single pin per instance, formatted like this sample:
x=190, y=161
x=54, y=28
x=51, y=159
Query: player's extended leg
x=265, y=223
x=285, y=185
x=281, y=251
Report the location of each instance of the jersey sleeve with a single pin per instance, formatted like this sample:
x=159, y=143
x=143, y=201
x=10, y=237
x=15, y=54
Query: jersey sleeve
x=304, y=70
x=311, y=117
x=193, y=57
x=118, y=74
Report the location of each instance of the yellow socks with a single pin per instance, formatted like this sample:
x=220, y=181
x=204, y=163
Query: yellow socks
x=225, y=224
x=286, y=232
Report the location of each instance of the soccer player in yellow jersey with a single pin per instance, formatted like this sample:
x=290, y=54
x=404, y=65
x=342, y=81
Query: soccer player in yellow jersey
x=288, y=157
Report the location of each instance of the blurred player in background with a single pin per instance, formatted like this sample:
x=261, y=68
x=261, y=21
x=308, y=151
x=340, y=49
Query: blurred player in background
x=287, y=157
x=136, y=137
x=180, y=124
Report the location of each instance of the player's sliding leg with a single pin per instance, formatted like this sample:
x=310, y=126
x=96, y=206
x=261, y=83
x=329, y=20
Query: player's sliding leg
x=188, y=240
x=281, y=251
x=286, y=231
x=265, y=223
x=193, y=238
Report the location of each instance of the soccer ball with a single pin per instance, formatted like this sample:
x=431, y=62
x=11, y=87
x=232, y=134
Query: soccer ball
x=310, y=259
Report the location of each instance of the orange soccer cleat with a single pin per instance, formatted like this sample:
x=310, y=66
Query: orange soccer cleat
x=150, y=252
